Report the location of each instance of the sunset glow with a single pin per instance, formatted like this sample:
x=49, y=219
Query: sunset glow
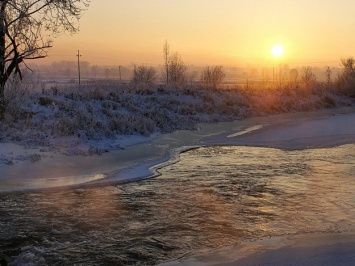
x=211, y=32
x=277, y=50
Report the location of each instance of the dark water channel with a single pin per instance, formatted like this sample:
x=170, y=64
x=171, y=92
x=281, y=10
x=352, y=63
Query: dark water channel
x=213, y=197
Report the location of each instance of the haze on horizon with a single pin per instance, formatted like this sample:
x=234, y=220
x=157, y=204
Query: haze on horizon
x=211, y=32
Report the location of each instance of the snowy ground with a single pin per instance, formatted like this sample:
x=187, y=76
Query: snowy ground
x=98, y=118
x=326, y=131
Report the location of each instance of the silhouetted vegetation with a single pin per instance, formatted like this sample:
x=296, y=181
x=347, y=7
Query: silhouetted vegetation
x=346, y=80
x=144, y=74
x=308, y=77
x=212, y=77
x=26, y=29
x=175, y=69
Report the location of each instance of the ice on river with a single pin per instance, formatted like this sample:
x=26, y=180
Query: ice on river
x=288, y=131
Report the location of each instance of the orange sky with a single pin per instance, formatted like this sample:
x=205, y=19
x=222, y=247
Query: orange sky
x=226, y=32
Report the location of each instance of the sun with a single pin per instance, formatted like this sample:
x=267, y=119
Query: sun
x=277, y=50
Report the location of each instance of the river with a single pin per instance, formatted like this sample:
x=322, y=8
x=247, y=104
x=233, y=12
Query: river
x=212, y=197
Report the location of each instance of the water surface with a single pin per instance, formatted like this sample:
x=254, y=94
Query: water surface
x=212, y=197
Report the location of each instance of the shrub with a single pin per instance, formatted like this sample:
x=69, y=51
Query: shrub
x=308, y=76
x=177, y=70
x=212, y=76
x=346, y=80
x=143, y=74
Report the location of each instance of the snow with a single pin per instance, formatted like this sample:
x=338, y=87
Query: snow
x=97, y=118
x=290, y=131
x=11, y=153
x=295, y=134
x=105, y=129
x=248, y=130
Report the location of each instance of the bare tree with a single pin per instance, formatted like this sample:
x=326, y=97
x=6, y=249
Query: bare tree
x=26, y=29
x=212, y=76
x=175, y=70
x=143, y=74
x=348, y=64
x=346, y=80
x=166, y=51
x=349, y=67
x=308, y=76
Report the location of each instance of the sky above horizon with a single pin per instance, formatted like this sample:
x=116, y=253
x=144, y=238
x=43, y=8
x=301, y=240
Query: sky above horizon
x=212, y=32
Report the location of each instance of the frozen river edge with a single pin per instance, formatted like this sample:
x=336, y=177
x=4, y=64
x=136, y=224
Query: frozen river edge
x=302, y=130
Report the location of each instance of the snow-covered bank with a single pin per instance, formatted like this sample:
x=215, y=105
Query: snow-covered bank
x=286, y=130
x=335, y=129
x=97, y=118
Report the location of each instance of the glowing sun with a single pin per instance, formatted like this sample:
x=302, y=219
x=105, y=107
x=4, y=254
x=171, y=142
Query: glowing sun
x=277, y=50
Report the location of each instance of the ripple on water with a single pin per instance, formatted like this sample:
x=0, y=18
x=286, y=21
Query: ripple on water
x=213, y=197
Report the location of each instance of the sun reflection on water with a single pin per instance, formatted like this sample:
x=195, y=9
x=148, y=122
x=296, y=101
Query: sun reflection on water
x=212, y=197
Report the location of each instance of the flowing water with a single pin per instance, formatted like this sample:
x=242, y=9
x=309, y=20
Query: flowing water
x=212, y=197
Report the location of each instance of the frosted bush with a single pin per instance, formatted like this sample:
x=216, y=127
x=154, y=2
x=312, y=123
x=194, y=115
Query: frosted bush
x=64, y=126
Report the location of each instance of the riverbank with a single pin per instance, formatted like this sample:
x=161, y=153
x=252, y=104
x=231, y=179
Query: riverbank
x=325, y=128
x=97, y=118
x=322, y=128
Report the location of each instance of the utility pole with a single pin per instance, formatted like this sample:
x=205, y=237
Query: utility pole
x=119, y=70
x=247, y=79
x=79, y=55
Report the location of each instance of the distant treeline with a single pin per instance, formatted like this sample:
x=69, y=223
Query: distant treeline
x=234, y=74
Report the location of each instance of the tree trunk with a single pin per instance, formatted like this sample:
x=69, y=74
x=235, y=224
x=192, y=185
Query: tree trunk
x=2, y=59
x=2, y=101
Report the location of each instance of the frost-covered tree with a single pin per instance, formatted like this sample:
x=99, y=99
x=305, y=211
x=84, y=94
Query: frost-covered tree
x=348, y=64
x=144, y=74
x=349, y=67
x=346, y=79
x=212, y=76
x=308, y=76
x=26, y=31
x=175, y=69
